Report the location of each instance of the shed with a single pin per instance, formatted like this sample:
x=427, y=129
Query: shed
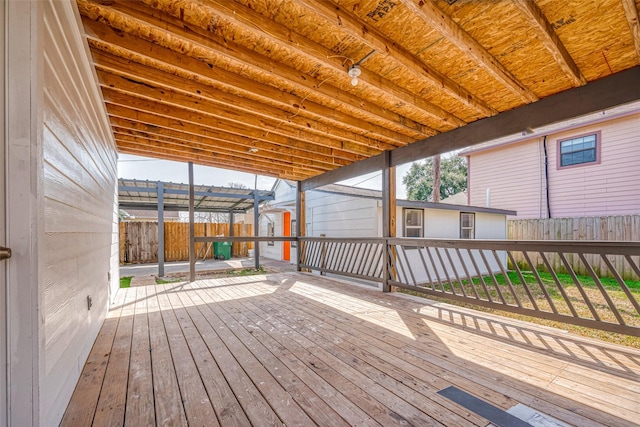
x=344, y=211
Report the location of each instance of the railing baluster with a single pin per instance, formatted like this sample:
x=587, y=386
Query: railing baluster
x=392, y=266
x=603, y=291
x=353, y=262
x=543, y=288
x=523, y=281
x=506, y=278
x=468, y=263
x=622, y=284
x=404, y=255
x=585, y=297
x=365, y=259
x=435, y=269
x=455, y=271
x=445, y=271
x=633, y=265
x=468, y=276
x=545, y=260
x=480, y=276
x=373, y=264
x=493, y=278
x=424, y=263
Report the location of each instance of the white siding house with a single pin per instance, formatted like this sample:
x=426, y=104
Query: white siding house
x=342, y=211
x=61, y=189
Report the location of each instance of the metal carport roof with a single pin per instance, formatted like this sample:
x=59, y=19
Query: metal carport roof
x=137, y=194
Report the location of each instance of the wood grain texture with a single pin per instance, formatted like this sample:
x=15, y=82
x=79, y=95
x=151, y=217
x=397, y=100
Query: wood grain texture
x=427, y=68
x=299, y=349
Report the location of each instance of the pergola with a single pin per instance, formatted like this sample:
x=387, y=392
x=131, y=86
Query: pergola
x=169, y=196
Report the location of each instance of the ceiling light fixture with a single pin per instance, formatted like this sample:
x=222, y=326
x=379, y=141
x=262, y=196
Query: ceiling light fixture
x=354, y=72
x=252, y=150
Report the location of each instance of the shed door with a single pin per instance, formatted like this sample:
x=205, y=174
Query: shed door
x=286, y=231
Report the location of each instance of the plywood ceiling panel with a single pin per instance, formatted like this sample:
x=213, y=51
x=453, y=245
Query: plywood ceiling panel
x=263, y=86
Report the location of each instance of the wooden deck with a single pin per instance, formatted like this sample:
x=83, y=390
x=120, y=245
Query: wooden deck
x=299, y=349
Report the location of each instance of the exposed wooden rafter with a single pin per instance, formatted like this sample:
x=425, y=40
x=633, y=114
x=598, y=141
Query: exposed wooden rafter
x=631, y=11
x=367, y=34
x=252, y=67
x=551, y=41
x=259, y=30
x=455, y=34
x=263, y=86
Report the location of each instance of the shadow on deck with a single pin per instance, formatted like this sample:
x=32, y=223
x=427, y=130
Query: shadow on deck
x=300, y=349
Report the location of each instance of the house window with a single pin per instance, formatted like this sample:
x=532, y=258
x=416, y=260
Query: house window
x=413, y=222
x=270, y=233
x=467, y=225
x=294, y=233
x=583, y=149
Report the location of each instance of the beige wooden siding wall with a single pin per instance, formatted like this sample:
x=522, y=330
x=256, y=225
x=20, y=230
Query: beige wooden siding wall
x=623, y=228
x=79, y=181
x=139, y=240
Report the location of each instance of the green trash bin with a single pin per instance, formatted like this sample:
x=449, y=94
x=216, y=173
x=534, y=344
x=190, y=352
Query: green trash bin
x=222, y=250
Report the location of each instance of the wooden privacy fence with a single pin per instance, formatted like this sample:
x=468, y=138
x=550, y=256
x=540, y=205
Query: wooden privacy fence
x=606, y=228
x=139, y=240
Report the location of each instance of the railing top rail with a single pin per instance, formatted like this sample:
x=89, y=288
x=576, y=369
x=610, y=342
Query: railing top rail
x=344, y=239
x=592, y=246
x=244, y=239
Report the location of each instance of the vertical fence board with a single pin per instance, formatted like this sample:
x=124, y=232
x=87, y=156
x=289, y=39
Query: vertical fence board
x=618, y=228
x=139, y=240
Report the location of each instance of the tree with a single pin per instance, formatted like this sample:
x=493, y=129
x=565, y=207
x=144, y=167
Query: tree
x=419, y=179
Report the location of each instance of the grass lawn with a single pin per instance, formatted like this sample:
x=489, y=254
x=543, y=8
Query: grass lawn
x=125, y=282
x=552, y=294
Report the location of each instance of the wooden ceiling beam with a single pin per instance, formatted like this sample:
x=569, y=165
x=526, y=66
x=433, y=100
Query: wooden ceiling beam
x=128, y=148
x=193, y=84
x=355, y=27
x=456, y=35
x=230, y=149
x=551, y=41
x=222, y=105
x=159, y=125
x=180, y=119
x=298, y=91
x=143, y=80
x=633, y=19
x=245, y=160
x=175, y=105
x=215, y=16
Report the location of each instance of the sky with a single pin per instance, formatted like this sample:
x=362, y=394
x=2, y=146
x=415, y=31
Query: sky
x=143, y=168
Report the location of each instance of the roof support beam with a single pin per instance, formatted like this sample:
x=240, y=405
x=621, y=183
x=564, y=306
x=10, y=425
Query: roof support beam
x=634, y=23
x=611, y=91
x=160, y=191
x=551, y=41
x=455, y=34
x=192, y=230
x=616, y=89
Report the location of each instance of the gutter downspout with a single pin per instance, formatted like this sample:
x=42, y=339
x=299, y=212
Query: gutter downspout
x=546, y=175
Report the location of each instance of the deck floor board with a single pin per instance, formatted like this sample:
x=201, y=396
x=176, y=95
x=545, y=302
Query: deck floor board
x=300, y=349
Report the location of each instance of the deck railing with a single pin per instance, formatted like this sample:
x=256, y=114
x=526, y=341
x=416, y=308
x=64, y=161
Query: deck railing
x=516, y=276
x=360, y=258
